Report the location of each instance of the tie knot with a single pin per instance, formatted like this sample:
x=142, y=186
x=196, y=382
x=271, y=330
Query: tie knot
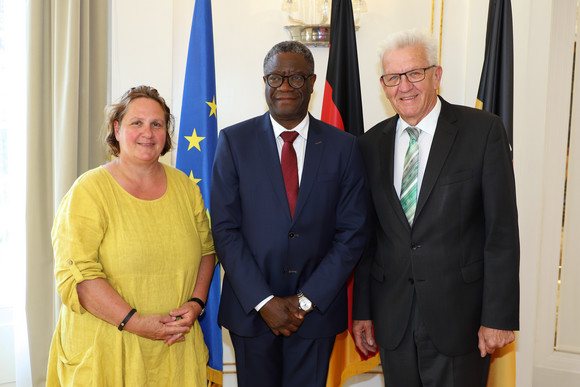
x=413, y=132
x=289, y=136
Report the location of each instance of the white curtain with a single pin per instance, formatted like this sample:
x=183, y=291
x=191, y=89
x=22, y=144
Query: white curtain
x=68, y=81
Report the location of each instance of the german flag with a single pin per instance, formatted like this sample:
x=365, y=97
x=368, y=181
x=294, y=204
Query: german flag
x=342, y=107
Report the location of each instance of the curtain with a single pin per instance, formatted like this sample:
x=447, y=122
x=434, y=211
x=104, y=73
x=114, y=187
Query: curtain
x=67, y=90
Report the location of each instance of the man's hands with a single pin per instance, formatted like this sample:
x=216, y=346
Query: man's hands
x=491, y=339
x=363, y=336
x=283, y=315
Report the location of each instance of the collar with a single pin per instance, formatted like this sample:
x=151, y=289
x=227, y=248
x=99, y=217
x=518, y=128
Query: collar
x=427, y=124
x=301, y=128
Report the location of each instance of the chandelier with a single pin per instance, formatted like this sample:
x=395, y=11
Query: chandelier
x=311, y=19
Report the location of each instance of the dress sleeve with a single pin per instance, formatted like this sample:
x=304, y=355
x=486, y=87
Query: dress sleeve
x=77, y=233
x=202, y=223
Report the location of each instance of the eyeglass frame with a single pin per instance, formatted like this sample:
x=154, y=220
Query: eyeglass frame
x=405, y=74
x=287, y=77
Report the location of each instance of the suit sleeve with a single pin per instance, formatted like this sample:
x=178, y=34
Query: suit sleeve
x=500, y=308
x=242, y=272
x=361, y=294
x=349, y=239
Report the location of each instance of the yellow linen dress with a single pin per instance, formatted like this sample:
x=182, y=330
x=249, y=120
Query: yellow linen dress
x=149, y=251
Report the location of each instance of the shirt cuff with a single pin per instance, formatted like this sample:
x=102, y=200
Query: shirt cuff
x=259, y=306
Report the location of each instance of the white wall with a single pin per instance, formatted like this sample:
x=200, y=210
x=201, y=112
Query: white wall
x=155, y=52
x=149, y=46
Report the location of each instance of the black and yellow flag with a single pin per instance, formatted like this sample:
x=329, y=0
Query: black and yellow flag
x=496, y=87
x=496, y=95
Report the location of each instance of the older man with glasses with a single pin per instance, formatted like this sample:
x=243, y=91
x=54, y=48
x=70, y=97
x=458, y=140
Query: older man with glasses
x=289, y=214
x=439, y=281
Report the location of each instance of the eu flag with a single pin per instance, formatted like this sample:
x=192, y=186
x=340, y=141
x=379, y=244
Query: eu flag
x=195, y=154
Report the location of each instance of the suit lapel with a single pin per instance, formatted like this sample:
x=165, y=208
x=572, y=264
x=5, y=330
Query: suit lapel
x=386, y=146
x=266, y=147
x=442, y=143
x=313, y=156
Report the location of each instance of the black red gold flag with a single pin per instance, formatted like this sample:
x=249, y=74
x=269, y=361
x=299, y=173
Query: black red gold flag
x=342, y=107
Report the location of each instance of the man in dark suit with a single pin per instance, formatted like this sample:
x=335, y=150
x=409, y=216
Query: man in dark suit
x=440, y=278
x=288, y=219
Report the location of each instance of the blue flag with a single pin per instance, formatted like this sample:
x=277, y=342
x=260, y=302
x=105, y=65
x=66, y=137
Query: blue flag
x=195, y=154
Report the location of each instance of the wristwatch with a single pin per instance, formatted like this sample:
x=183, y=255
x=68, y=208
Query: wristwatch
x=304, y=303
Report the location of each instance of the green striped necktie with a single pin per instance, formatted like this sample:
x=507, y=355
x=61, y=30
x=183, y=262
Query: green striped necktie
x=410, y=175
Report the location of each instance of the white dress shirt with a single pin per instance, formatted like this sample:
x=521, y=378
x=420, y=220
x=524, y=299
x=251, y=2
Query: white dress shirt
x=299, y=142
x=427, y=126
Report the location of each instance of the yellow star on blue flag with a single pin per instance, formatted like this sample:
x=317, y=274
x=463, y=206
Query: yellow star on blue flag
x=193, y=178
x=194, y=141
x=213, y=107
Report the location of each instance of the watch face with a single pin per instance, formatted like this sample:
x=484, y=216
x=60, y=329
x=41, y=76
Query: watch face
x=305, y=304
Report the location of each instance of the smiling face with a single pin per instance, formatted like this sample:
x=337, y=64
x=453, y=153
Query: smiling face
x=412, y=101
x=288, y=106
x=142, y=131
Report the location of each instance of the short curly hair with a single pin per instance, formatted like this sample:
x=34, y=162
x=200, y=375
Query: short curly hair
x=293, y=47
x=116, y=112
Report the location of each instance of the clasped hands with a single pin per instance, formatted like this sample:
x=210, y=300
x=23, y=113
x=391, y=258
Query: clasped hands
x=170, y=328
x=283, y=315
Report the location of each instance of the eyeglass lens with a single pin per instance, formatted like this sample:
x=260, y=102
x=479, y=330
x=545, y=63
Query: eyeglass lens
x=295, y=80
x=413, y=76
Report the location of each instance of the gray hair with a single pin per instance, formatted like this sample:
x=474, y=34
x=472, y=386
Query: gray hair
x=293, y=47
x=409, y=38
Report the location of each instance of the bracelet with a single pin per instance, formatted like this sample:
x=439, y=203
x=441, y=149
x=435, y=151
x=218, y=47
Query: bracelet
x=126, y=320
x=198, y=301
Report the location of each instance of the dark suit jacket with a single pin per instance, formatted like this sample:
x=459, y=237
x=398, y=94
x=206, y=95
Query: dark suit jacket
x=262, y=249
x=461, y=256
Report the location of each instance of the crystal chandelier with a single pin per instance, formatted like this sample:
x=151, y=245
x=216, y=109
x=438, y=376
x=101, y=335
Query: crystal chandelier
x=311, y=19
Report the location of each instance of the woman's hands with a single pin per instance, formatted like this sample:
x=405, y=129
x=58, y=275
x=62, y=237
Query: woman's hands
x=186, y=314
x=101, y=300
x=183, y=316
x=156, y=327
x=169, y=328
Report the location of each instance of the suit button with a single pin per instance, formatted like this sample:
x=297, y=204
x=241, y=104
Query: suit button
x=291, y=235
x=415, y=247
x=411, y=281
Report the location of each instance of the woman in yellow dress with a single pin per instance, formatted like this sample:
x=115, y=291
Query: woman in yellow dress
x=134, y=258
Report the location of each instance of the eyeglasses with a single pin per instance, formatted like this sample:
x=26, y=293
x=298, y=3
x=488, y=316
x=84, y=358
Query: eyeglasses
x=413, y=76
x=295, y=80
